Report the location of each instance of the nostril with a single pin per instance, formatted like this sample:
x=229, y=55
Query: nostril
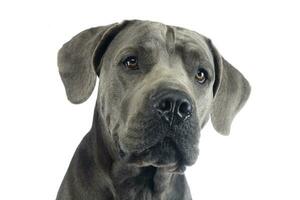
x=172, y=106
x=184, y=109
x=165, y=105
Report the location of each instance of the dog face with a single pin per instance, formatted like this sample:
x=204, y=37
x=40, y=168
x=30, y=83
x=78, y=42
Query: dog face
x=153, y=96
x=158, y=85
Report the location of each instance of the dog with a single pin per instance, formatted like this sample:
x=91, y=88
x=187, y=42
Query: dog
x=158, y=86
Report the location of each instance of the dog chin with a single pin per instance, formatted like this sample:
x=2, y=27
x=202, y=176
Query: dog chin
x=164, y=155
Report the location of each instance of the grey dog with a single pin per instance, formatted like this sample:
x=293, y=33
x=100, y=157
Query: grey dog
x=158, y=86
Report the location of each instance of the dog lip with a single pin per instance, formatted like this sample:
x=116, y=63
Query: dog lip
x=164, y=143
x=175, y=168
x=151, y=155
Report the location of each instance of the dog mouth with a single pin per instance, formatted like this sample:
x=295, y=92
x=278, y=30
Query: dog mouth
x=149, y=142
x=163, y=154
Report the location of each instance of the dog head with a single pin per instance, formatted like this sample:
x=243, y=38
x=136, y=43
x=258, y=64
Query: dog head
x=158, y=86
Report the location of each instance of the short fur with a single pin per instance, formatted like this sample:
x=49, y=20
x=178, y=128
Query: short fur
x=130, y=153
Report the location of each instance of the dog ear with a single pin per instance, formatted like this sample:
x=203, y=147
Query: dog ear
x=231, y=91
x=79, y=60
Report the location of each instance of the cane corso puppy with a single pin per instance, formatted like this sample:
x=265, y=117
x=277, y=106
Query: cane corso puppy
x=158, y=86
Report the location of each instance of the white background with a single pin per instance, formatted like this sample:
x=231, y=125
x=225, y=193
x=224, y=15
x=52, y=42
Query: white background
x=40, y=129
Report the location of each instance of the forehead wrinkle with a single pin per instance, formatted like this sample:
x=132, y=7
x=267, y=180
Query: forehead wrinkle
x=148, y=44
x=170, y=40
x=194, y=54
x=193, y=40
x=197, y=52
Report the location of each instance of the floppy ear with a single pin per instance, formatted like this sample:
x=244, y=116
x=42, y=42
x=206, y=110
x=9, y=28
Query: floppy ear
x=79, y=60
x=231, y=91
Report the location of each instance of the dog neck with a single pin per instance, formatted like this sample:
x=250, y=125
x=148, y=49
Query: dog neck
x=140, y=182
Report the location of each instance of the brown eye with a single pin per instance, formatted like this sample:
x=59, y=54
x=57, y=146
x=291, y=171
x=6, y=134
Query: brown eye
x=201, y=76
x=131, y=62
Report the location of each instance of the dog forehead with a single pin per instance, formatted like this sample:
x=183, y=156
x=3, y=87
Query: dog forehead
x=158, y=35
x=139, y=32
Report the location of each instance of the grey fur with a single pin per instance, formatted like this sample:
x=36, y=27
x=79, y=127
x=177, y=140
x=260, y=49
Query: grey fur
x=129, y=153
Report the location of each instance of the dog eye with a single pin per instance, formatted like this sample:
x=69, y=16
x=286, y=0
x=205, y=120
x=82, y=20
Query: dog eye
x=131, y=62
x=201, y=76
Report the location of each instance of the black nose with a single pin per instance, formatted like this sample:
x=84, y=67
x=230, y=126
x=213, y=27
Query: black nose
x=173, y=105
